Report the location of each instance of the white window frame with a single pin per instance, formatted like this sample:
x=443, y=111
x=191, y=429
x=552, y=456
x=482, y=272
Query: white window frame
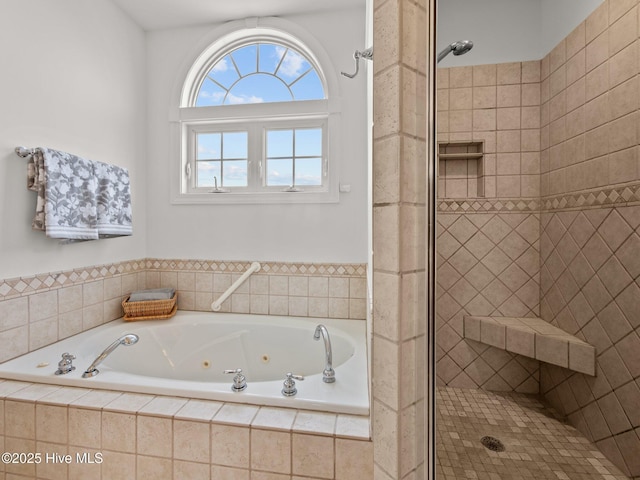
x=254, y=118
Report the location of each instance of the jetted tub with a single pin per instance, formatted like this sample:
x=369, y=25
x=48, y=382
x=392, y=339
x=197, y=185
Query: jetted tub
x=185, y=356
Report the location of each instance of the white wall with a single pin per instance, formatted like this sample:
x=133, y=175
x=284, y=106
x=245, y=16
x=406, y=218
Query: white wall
x=303, y=232
x=507, y=30
x=72, y=79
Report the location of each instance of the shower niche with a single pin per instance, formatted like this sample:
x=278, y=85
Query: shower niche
x=460, y=170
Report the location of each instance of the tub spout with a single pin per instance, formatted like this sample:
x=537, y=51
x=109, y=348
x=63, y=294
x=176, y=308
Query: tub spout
x=328, y=374
x=125, y=340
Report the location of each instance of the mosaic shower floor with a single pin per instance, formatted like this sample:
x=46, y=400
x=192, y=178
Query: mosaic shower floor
x=538, y=445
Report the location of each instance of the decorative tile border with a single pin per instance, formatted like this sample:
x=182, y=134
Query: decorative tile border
x=16, y=287
x=20, y=286
x=602, y=197
x=279, y=268
x=492, y=205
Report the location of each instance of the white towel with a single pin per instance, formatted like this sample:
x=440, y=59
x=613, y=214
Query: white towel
x=113, y=200
x=78, y=199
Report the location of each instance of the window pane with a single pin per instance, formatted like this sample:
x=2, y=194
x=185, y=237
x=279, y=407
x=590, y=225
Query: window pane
x=234, y=145
x=280, y=172
x=292, y=66
x=246, y=60
x=234, y=173
x=208, y=146
x=206, y=172
x=260, y=73
x=279, y=143
x=309, y=171
x=224, y=72
x=258, y=89
x=308, y=142
x=209, y=94
x=270, y=56
x=308, y=87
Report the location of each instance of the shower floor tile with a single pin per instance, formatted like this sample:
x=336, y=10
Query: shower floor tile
x=538, y=444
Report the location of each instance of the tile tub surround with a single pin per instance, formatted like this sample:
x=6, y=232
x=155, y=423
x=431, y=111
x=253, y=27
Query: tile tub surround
x=39, y=310
x=539, y=444
x=146, y=436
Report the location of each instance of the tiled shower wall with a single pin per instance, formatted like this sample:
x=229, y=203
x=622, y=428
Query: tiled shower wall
x=42, y=309
x=500, y=106
x=590, y=237
x=488, y=264
x=488, y=247
x=589, y=218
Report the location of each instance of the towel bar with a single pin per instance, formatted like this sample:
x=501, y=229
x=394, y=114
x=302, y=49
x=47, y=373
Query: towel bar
x=24, y=152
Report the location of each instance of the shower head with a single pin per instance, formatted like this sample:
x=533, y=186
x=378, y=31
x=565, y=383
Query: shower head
x=458, y=48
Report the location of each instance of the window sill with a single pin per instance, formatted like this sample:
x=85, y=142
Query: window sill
x=255, y=198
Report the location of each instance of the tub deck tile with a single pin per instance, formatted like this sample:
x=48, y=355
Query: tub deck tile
x=274, y=418
x=163, y=406
x=34, y=392
x=129, y=402
x=96, y=399
x=236, y=414
x=198, y=410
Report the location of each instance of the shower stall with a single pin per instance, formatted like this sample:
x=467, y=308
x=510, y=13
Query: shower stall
x=538, y=234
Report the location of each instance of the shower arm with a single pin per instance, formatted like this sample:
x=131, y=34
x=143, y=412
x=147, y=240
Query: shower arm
x=357, y=55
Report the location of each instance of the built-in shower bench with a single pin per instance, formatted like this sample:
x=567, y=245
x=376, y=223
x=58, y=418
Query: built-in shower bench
x=535, y=338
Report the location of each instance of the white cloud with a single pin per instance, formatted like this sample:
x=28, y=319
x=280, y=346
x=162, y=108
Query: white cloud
x=293, y=63
x=239, y=99
x=221, y=66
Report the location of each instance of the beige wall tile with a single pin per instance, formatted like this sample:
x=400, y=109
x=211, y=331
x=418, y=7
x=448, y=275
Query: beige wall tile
x=154, y=436
x=119, y=432
x=20, y=419
x=85, y=427
x=118, y=466
x=312, y=455
x=228, y=473
x=230, y=447
x=271, y=451
x=191, y=470
x=153, y=467
x=191, y=441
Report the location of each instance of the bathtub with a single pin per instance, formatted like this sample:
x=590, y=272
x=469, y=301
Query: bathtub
x=186, y=355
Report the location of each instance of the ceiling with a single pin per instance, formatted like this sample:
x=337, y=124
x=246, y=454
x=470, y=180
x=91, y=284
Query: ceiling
x=160, y=14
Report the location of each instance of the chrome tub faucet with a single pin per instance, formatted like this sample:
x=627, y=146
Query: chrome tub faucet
x=328, y=374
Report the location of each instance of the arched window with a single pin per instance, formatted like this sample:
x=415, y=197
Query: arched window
x=260, y=72
x=255, y=122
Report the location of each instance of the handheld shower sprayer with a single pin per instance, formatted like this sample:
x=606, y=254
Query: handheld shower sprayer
x=458, y=48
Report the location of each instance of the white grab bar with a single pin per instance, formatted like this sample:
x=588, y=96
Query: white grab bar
x=215, y=306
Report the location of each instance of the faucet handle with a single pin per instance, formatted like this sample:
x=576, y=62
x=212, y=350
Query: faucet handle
x=66, y=364
x=239, y=381
x=289, y=385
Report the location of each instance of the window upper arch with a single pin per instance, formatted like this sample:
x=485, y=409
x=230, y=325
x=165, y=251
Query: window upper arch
x=257, y=64
x=260, y=72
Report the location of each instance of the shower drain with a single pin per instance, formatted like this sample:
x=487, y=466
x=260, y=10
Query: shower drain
x=492, y=444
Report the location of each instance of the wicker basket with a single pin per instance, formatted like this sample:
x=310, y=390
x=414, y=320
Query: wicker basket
x=150, y=309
